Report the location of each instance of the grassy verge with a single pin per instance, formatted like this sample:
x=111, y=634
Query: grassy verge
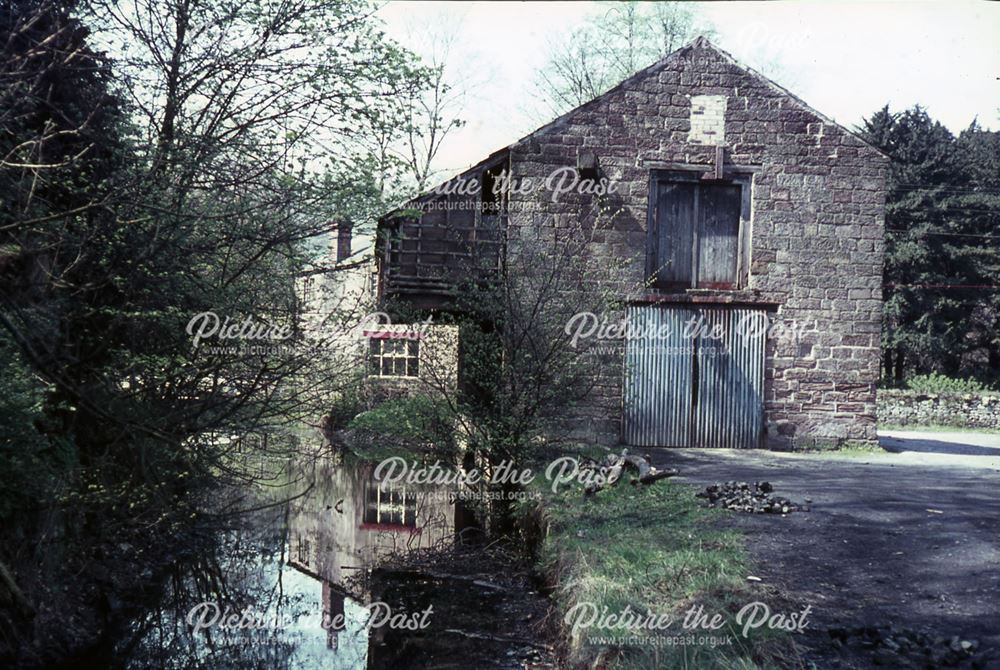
x=652, y=549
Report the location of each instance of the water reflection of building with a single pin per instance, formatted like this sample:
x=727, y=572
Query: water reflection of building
x=349, y=524
x=389, y=507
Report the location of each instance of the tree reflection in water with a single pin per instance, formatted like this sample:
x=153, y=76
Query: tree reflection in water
x=291, y=569
x=325, y=556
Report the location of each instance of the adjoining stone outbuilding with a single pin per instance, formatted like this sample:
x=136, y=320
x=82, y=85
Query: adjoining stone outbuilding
x=741, y=208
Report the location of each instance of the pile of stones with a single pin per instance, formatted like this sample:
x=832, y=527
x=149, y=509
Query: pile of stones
x=750, y=497
x=904, y=648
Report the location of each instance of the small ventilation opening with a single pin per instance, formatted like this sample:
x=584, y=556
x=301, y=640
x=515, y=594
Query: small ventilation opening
x=343, y=241
x=492, y=190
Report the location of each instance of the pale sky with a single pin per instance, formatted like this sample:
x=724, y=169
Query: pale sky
x=846, y=59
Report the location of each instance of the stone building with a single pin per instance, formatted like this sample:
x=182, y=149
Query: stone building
x=738, y=208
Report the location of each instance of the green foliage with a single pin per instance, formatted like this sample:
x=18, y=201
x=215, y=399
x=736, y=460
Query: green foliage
x=345, y=406
x=942, y=251
x=30, y=461
x=411, y=425
x=133, y=203
x=938, y=383
x=178, y=178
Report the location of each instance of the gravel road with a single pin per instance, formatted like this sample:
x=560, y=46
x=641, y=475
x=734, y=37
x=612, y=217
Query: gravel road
x=907, y=537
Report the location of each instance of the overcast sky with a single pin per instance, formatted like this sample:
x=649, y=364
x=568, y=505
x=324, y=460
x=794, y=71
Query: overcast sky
x=846, y=59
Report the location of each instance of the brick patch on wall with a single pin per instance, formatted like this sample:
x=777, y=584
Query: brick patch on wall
x=708, y=120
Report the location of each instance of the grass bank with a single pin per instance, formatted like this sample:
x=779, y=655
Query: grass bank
x=651, y=549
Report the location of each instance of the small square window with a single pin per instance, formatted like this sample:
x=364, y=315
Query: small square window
x=394, y=357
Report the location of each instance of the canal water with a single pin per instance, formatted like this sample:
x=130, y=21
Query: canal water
x=350, y=574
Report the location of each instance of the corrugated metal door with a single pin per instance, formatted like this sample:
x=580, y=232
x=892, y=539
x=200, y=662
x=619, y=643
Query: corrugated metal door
x=659, y=376
x=694, y=377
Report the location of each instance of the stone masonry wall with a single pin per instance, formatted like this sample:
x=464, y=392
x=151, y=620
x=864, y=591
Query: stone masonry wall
x=910, y=408
x=816, y=230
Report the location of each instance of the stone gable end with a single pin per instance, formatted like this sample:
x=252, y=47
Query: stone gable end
x=815, y=230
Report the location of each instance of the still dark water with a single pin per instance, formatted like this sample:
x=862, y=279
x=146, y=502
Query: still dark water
x=348, y=575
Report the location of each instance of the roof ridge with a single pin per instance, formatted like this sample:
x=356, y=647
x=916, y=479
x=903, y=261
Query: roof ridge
x=701, y=39
x=699, y=42
x=784, y=91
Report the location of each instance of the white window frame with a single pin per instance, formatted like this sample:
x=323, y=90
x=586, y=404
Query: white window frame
x=404, y=352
